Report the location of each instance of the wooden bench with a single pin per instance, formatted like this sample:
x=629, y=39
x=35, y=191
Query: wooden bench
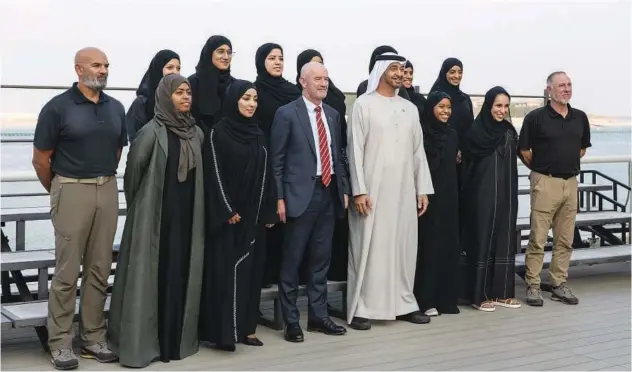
x=23, y=265
x=17, y=261
x=6, y=322
x=35, y=313
x=586, y=256
x=592, y=221
x=585, y=219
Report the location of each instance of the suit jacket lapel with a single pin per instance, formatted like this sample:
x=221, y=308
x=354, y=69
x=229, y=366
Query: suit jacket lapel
x=301, y=110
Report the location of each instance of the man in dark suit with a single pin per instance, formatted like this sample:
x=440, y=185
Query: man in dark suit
x=313, y=190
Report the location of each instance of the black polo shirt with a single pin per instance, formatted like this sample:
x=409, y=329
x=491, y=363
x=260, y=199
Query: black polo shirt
x=554, y=140
x=85, y=135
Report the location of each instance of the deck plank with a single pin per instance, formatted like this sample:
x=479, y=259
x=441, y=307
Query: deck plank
x=589, y=336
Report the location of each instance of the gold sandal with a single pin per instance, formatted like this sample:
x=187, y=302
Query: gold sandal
x=487, y=306
x=510, y=303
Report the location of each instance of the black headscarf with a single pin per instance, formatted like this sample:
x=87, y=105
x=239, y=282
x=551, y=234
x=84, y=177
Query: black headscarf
x=435, y=132
x=152, y=77
x=443, y=85
x=486, y=133
x=239, y=127
x=277, y=87
x=274, y=92
x=212, y=81
x=335, y=97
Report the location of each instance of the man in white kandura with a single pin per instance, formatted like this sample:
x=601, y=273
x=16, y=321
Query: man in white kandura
x=390, y=181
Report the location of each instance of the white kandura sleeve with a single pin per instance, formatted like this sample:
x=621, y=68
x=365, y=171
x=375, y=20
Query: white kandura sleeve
x=356, y=139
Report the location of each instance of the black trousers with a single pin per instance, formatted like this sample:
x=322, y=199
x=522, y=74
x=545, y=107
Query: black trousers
x=309, y=234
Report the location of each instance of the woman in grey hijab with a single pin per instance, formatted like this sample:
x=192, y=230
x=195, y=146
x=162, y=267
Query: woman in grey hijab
x=156, y=295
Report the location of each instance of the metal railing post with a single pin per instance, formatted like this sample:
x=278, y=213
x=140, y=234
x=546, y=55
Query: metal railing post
x=20, y=235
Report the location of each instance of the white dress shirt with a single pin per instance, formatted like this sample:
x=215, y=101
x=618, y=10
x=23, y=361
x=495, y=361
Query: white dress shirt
x=311, y=112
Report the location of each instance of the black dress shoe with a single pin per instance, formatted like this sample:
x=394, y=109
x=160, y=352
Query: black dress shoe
x=252, y=341
x=415, y=317
x=360, y=324
x=293, y=333
x=326, y=326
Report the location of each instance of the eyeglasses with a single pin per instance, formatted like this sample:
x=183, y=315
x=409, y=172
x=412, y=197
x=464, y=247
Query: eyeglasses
x=223, y=52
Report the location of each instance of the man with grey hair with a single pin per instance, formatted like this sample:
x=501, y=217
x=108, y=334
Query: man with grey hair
x=552, y=141
x=78, y=141
x=312, y=189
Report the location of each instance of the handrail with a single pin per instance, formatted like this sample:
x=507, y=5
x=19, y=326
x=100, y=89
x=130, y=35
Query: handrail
x=133, y=89
x=30, y=176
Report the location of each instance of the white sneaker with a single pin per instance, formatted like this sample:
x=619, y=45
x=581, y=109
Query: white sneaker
x=432, y=312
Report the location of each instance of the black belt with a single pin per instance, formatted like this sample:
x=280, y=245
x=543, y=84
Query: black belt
x=560, y=175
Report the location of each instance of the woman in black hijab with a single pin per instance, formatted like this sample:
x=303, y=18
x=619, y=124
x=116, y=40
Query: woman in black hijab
x=436, y=289
x=240, y=198
x=490, y=205
x=274, y=91
x=141, y=111
x=376, y=52
x=449, y=81
x=417, y=98
x=211, y=78
x=336, y=99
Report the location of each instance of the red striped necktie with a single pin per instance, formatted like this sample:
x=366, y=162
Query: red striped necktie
x=323, y=146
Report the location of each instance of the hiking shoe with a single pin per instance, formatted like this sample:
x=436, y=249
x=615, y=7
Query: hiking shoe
x=563, y=294
x=100, y=352
x=534, y=296
x=64, y=359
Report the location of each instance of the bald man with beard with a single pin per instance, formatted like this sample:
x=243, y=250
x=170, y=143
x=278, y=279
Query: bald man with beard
x=78, y=141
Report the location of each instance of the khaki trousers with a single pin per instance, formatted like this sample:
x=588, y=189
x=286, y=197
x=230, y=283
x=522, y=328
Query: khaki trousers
x=84, y=214
x=553, y=205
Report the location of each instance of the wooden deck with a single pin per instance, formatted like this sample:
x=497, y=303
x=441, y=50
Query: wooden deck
x=594, y=335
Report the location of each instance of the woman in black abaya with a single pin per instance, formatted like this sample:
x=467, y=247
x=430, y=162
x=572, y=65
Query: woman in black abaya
x=240, y=199
x=490, y=205
x=274, y=91
x=336, y=99
x=156, y=295
x=141, y=111
x=209, y=83
x=436, y=289
x=449, y=81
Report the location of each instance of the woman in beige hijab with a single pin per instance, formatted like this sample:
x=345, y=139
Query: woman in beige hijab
x=156, y=295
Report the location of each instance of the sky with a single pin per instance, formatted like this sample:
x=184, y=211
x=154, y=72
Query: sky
x=515, y=44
